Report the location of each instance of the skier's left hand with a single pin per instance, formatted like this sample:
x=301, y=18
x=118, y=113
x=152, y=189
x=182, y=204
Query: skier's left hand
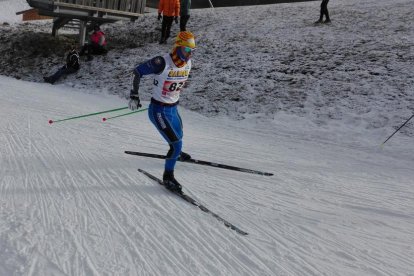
x=176, y=19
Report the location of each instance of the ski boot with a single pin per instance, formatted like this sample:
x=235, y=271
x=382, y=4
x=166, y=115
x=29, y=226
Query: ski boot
x=163, y=40
x=171, y=183
x=48, y=80
x=184, y=156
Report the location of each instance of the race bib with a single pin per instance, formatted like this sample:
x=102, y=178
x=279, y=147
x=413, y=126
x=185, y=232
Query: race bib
x=171, y=88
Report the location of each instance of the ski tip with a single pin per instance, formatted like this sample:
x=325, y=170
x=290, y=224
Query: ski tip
x=259, y=172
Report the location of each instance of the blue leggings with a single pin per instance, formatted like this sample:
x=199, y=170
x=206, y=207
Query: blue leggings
x=168, y=122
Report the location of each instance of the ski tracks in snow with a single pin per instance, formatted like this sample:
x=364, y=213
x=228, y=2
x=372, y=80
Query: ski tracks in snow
x=72, y=203
x=76, y=207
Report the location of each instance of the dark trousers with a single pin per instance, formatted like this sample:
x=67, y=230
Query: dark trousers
x=324, y=11
x=92, y=49
x=62, y=72
x=183, y=22
x=166, y=27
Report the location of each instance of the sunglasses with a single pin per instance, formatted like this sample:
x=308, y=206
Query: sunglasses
x=188, y=50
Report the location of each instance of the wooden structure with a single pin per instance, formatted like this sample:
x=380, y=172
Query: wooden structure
x=201, y=4
x=32, y=14
x=88, y=12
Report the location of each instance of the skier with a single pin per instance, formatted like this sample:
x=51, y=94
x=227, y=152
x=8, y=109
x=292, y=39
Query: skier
x=71, y=66
x=324, y=11
x=171, y=72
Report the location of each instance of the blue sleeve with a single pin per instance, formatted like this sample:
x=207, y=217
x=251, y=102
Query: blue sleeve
x=153, y=66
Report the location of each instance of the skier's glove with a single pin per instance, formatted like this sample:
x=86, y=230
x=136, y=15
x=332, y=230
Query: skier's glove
x=159, y=16
x=176, y=19
x=134, y=102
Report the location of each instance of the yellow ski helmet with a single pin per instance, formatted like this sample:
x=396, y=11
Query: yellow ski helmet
x=185, y=39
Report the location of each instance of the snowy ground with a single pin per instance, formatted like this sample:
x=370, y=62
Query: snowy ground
x=317, y=102
x=73, y=204
x=256, y=61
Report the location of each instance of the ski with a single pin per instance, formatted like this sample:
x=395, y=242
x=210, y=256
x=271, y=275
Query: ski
x=201, y=162
x=196, y=203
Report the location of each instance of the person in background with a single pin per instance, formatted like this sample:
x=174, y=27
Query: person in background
x=72, y=66
x=170, y=74
x=324, y=11
x=184, y=14
x=168, y=10
x=97, y=44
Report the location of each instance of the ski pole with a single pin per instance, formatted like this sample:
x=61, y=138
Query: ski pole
x=397, y=129
x=125, y=114
x=87, y=115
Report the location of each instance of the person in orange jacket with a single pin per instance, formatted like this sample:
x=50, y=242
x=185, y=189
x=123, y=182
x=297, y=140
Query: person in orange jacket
x=168, y=10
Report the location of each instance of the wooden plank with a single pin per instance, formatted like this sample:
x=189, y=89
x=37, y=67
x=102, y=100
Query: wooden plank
x=110, y=4
x=89, y=8
x=142, y=5
x=21, y=12
x=127, y=6
x=133, y=6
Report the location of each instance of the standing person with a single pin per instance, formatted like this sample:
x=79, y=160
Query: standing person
x=324, y=11
x=171, y=72
x=184, y=14
x=97, y=45
x=168, y=10
x=72, y=66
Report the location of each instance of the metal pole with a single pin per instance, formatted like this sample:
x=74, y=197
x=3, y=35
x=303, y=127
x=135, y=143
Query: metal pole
x=121, y=115
x=82, y=32
x=87, y=115
x=397, y=130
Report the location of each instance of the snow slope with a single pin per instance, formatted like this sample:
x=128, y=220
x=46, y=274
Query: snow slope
x=8, y=9
x=255, y=61
x=72, y=203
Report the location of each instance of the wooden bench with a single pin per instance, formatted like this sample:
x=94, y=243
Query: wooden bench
x=88, y=11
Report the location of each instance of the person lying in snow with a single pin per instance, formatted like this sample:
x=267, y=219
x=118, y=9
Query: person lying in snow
x=72, y=66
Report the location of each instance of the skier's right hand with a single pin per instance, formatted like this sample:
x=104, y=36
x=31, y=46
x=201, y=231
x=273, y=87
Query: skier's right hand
x=159, y=16
x=134, y=102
